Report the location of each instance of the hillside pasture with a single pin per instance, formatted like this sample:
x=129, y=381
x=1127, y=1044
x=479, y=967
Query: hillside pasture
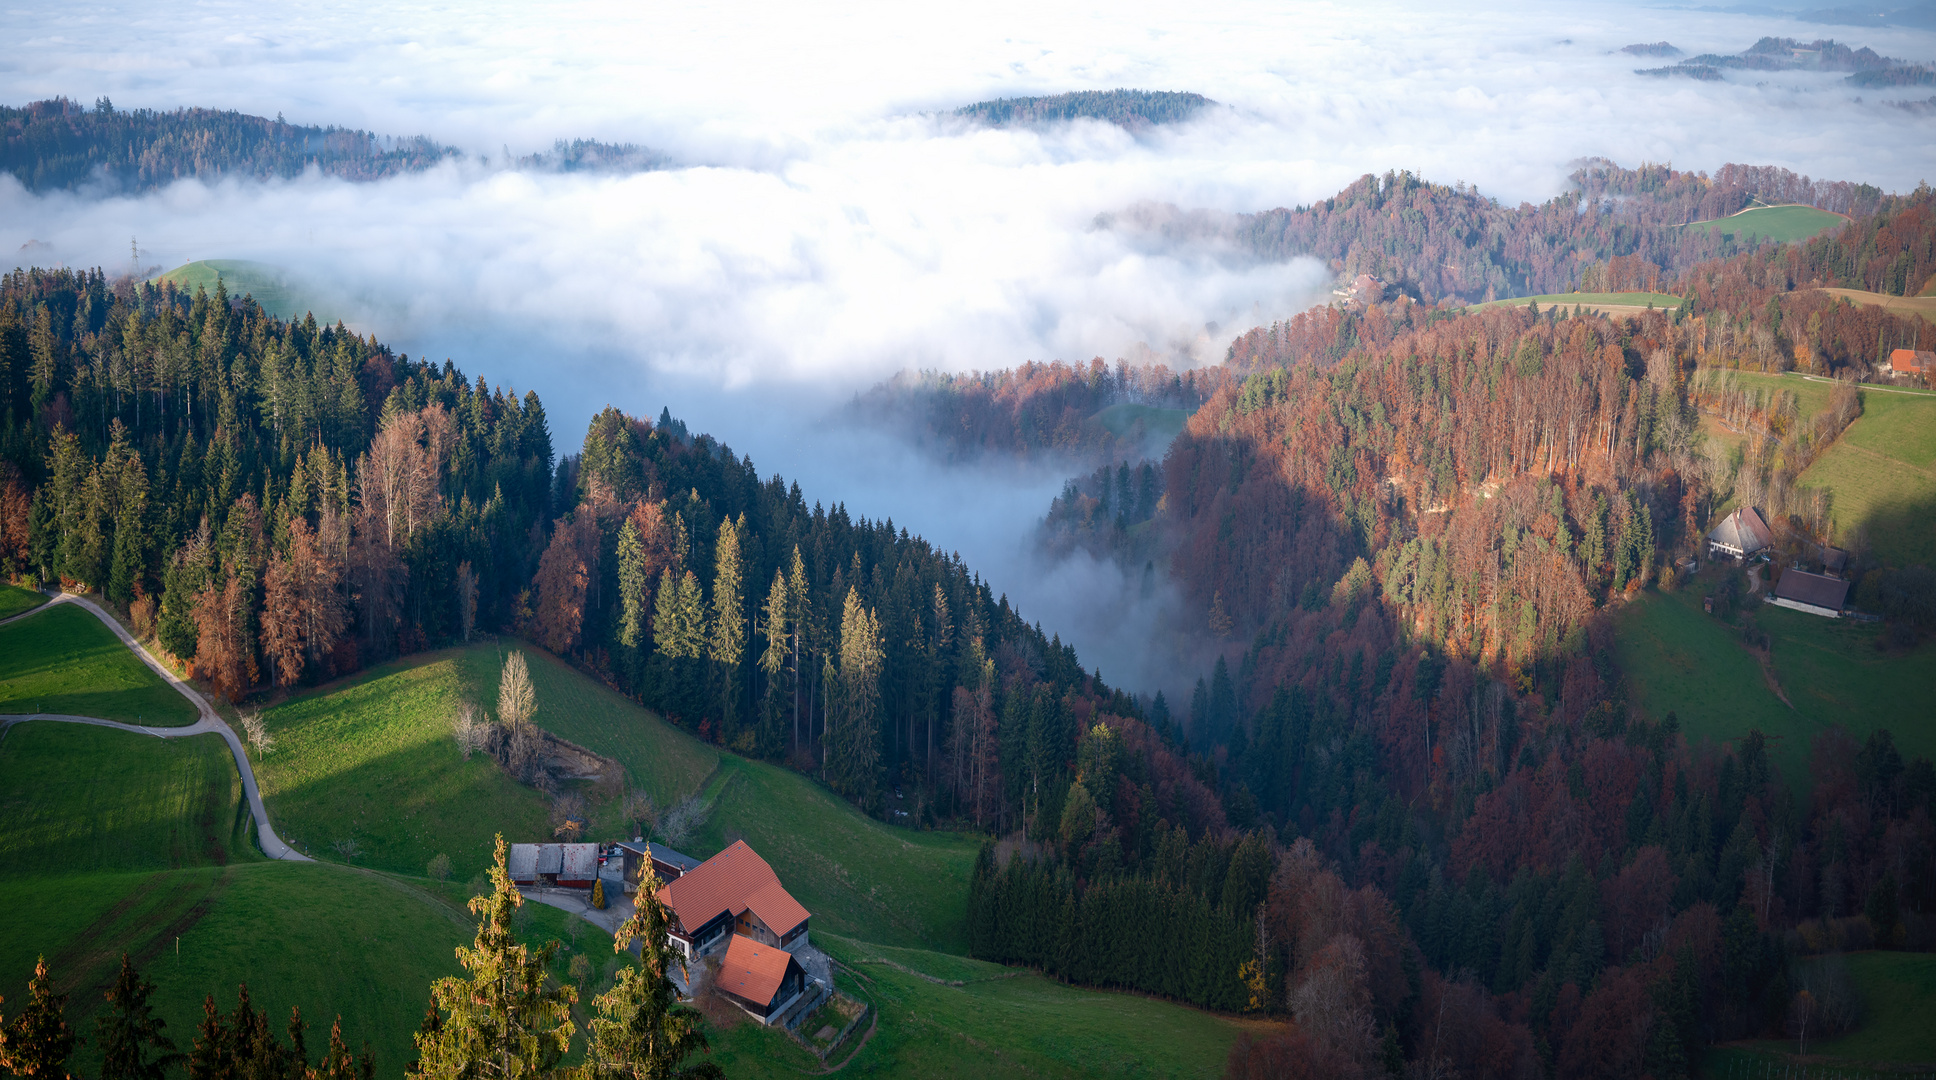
x=1882, y=473
x=1679, y=659
x=1895, y=1038
x=1001, y=1022
x=269, y=285
x=371, y=759
x=1784, y=224
x=860, y=877
x=64, y=661
x=15, y=600
x=1923, y=305
x=1614, y=303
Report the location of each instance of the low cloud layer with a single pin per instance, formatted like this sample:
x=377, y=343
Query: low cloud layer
x=831, y=225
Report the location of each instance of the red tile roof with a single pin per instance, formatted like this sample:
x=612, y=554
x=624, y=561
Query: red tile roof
x=1912, y=360
x=752, y=971
x=734, y=881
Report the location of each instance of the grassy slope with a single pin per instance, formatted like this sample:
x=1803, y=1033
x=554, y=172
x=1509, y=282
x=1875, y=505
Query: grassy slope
x=1883, y=474
x=14, y=600
x=858, y=876
x=1613, y=299
x=1898, y=996
x=270, y=287
x=65, y=661
x=1680, y=659
x=1002, y=1022
x=112, y=842
x=1923, y=305
x=74, y=796
x=1783, y=223
x=372, y=759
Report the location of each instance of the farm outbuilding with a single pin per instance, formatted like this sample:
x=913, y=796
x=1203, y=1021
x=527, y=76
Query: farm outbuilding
x=667, y=864
x=572, y=866
x=1817, y=594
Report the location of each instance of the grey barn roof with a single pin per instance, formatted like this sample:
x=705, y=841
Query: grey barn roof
x=522, y=863
x=1742, y=531
x=1815, y=590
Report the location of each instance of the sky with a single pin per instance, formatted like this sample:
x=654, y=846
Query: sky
x=829, y=224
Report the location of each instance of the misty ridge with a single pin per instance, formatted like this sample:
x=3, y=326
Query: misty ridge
x=1787, y=54
x=1132, y=110
x=57, y=144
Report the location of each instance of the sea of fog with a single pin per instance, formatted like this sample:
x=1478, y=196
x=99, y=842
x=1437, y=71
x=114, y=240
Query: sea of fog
x=829, y=224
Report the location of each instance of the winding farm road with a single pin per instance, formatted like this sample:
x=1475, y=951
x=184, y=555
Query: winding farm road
x=209, y=721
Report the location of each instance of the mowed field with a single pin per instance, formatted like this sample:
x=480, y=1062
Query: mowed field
x=114, y=842
x=64, y=661
x=1680, y=659
x=1614, y=303
x=15, y=600
x=1882, y=472
x=1781, y=223
x=372, y=760
x=943, y=1015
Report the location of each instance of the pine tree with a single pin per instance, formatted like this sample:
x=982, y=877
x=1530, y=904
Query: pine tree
x=641, y=1030
x=857, y=743
x=729, y=631
x=130, y=1029
x=504, y=1020
x=37, y=1043
x=632, y=585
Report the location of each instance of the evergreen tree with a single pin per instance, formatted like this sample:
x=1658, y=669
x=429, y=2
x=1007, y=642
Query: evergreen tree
x=632, y=585
x=641, y=1031
x=130, y=1029
x=37, y=1043
x=729, y=631
x=504, y=1019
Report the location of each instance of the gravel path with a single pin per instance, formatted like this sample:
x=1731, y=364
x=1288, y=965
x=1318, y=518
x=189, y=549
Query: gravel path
x=209, y=722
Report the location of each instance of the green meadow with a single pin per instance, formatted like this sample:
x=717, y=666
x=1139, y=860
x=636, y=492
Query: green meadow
x=1895, y=1038
x=1590, y=300
x=14, y=600
x=1882, y=472
x=268, y=285
x=1780, y=223
x=64, y=661
x=1679, y=659
x=998, y=1022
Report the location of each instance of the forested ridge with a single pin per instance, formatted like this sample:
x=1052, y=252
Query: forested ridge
x=1408, y=524
x=1433, y=240
x=55, y=144
x=1131, y=109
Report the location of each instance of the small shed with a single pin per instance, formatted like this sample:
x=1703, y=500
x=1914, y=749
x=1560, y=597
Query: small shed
x=1834, y=561
x=578, y=865
x=667, y=864
x=522, y=864
x=1817, y=594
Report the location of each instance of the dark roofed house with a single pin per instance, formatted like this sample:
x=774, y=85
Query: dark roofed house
x=1834, y=561
x=1739, y=535
x=1817, y=594
x=734, y=893
x=667, y=864
x=761, y=979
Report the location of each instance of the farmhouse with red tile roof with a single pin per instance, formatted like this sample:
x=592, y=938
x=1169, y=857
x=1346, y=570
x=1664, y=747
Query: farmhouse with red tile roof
x=733, y=894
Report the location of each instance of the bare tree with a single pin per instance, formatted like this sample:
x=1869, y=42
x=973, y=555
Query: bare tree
x=680, y=822
x=472, y=728
x=257, y=732
x=642, y=812
x=516, y=699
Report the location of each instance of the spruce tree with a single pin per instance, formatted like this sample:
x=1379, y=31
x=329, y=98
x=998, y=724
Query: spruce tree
x=632, y=585
x=729, y=633
x=506, y=1019
x=37, y=1043
x=641, y=1031
x=130, y=1029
